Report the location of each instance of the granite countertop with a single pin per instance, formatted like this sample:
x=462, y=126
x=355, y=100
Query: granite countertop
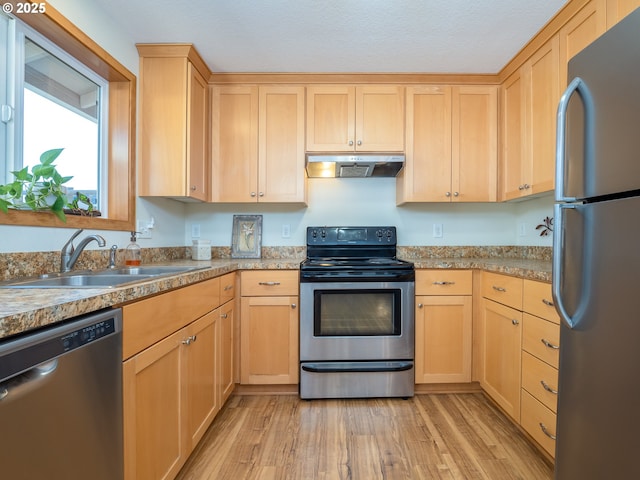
x=26, y=309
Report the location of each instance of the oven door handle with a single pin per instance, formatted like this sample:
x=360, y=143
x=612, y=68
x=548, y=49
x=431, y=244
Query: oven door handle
x=342, y=367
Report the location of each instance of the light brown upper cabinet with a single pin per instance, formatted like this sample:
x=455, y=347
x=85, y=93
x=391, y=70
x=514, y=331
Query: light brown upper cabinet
x=582, y=29
x=529, y=102
x=257, y=144
x=451, y=145
x=618, y=9
x=173, y=123
x=342, y=118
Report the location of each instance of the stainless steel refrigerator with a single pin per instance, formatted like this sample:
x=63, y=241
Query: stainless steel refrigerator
x=596, y=268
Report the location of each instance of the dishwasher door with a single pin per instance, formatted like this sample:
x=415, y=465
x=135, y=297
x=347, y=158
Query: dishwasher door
x=61, y=401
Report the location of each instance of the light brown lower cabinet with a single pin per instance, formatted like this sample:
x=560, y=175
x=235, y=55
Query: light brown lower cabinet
x=269, y=327
x=174, y=386
x=443, y=322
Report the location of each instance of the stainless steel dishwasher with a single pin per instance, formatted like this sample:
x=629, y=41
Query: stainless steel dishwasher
x=61, y=401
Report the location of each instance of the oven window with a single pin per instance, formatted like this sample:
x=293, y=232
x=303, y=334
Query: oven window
x=357, y=312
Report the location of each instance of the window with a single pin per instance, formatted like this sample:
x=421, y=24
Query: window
x=82, y=103
x=59, y=104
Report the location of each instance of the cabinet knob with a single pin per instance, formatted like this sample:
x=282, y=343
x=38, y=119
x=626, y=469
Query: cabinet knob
x=420, y=305
x=455, y=194
x=293, y=305
x=359, y=142
x=261, y=194
x=351, y=143
x=223, y=315
x=253, y=194
x=527, y=186
x=515, y=322
x=193, y=188
x=448, y=194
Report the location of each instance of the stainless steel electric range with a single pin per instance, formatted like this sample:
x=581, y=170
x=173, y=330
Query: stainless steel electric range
x=356, y=315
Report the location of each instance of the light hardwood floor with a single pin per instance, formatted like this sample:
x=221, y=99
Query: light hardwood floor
x=437, y=436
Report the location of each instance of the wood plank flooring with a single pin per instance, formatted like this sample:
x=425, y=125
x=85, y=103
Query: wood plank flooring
x=437, y=436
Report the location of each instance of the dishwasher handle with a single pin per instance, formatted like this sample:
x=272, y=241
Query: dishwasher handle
x=20, y=385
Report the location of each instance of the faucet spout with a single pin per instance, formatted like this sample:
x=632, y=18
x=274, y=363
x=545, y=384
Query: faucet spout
x=69, y=254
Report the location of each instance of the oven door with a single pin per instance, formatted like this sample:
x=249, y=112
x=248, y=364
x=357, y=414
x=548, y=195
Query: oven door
x=356, y=321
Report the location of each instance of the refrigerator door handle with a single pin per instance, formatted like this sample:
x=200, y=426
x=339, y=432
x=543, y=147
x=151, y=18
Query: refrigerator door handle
x=557, y=263
x=576, y=85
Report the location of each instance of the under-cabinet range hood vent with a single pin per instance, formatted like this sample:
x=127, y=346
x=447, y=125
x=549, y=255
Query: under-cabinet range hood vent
x=374, y=165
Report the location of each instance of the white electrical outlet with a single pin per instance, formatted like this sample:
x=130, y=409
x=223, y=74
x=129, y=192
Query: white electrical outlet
x=437, y=230
x=143, y=230
x=522, y=229
x=286, y=230
x=195, y=230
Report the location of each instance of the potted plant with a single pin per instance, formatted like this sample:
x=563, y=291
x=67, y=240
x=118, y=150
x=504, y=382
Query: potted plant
x=39, y=190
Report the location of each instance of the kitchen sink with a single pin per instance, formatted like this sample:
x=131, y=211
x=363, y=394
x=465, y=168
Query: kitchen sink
x=113, y=277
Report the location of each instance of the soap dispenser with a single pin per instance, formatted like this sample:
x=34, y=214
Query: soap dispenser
x=133, y=254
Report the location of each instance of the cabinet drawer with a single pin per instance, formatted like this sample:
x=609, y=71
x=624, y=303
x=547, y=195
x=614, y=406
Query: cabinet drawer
x=150, y=320
x=502, y=289
x=261, y=283
x=534, y=373
x=443, y=282
x=541, y=338
x=227, y=287
x=536, y=419
x=537, y=300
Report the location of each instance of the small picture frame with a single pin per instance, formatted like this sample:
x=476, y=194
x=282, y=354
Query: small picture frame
x=246, y=238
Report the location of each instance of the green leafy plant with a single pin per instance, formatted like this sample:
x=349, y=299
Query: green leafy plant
x=41, y=189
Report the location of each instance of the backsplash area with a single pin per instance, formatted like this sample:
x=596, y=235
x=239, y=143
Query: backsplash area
x=29, y=264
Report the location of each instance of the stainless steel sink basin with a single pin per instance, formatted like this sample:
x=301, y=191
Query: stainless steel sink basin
x=149, y=270
x=101, y=278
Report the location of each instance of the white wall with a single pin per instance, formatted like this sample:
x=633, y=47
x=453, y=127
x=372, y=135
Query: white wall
x=357, y=201
x=331, y=201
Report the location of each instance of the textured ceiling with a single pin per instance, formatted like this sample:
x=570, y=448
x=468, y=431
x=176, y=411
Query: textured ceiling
x=415, y=36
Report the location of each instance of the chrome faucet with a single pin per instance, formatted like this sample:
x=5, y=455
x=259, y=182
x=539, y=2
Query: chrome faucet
x=69, y=255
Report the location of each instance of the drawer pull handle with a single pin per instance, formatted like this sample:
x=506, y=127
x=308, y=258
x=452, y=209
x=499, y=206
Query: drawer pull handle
x=547, y=302
x=548, y=344
x=546, y=432
x=515, y=322
x=444, y=283
x=548, y=388
x=499, y=289
x=228, y=287
x=269, y=284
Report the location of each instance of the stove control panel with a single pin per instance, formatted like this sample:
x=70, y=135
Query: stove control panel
x=351, y=236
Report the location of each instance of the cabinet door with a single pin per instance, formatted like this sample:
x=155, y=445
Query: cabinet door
x=474, y=148
x=198, y=131
x=542, y=96
x=202, y=399
x=502, y=355
x=281, y=175
x=618, y=9
x=582, y=29
x=153, y=421
x=225, y=359
x=443, y=339
x=380, y=119
x=234, y=143
x=269, y=340
x=331, y=118
x=163, y=129
x=514, y=174
x=426, y=176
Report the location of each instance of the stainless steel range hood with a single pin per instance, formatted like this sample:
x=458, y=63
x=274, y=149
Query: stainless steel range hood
x=364, y=165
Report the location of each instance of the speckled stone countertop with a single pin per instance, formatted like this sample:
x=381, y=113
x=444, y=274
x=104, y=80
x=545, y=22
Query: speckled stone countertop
x=26, y=309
